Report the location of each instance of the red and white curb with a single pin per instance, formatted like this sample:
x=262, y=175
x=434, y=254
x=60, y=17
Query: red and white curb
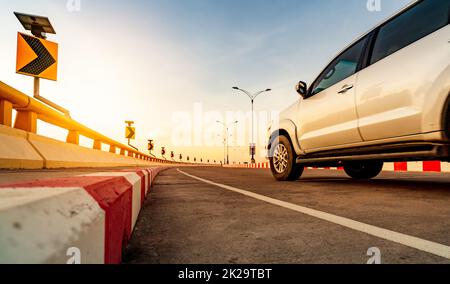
x=428, y=166
x=417, y=167
x=45, y=221
x=250, y=166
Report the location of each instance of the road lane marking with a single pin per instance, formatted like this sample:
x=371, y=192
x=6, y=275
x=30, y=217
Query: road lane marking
x=406, y=240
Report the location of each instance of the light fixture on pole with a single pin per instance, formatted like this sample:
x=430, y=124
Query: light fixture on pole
x=227, y=129
x=252, y=98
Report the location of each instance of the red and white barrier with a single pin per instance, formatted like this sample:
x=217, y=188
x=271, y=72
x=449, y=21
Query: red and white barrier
x=428, y=166
x=250, y=166
x=95, y=214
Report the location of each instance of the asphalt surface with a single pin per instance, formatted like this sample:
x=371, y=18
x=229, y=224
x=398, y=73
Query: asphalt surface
x=18, y=176
x=189, y=221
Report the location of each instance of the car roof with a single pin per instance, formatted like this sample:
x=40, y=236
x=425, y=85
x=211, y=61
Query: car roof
x=413, y=2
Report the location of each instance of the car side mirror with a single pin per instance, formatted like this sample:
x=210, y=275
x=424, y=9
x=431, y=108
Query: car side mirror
x=302, y=89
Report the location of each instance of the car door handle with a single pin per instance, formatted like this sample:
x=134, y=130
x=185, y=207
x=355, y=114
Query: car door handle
x=345, y=89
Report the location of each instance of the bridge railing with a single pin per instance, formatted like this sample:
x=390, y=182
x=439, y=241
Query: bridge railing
x=30, y=110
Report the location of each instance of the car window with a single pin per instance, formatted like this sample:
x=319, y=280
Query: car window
x=414, y=24
x=341, y=68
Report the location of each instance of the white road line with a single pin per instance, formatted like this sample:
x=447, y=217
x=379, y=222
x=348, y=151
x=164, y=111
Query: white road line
x=410, y=241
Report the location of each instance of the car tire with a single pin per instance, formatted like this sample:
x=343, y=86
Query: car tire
x=283, y=160
x=363, y=169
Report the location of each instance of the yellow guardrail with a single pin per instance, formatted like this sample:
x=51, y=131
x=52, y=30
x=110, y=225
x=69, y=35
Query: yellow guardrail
x=30, y=110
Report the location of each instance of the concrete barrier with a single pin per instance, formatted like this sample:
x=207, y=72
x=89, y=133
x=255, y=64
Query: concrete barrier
x=23, y=150
x=45, y=221
x=16, y=152
x=57, y=154
x=39, y=225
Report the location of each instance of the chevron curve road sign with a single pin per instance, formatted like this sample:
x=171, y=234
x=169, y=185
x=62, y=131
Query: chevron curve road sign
x=37, y=57
x=130, y=133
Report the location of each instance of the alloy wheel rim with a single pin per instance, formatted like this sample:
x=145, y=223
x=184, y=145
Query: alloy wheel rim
x=280, y=158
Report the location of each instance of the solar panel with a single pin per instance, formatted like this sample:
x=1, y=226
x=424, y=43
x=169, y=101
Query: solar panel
x=35, y=24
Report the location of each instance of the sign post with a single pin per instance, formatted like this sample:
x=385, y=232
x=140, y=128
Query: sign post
x=36, y=56
x=130, y=133
x=151, y=147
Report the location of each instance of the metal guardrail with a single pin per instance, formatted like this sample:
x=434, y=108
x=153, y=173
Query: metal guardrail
x=30, y=110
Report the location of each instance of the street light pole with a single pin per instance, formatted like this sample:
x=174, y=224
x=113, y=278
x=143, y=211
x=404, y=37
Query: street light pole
x=228, y=154
x=252, y=99
x=227, y=129
x=224, y=143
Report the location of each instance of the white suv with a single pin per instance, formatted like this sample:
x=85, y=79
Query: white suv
x=385, y=98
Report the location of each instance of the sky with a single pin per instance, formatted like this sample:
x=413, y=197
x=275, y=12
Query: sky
x=170, y=65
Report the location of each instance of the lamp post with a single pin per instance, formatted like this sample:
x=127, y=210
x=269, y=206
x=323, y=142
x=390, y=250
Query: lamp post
x=227, y=129
x=224, y=148
x=252, y=98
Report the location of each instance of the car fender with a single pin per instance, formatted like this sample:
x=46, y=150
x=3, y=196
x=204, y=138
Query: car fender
x=285, y=127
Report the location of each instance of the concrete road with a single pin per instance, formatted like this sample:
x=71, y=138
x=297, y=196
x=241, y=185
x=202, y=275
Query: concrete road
x=242, y=216
x=14, y=176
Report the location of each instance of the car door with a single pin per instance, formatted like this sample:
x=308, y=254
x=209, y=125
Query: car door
x=409, y=53
x=327, y=117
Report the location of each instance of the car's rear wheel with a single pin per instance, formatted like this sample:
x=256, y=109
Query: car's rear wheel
x=363, y=169
x=283, y=160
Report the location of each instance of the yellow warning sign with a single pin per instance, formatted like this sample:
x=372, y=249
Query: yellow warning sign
x=130, y=133
x=37, y=57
